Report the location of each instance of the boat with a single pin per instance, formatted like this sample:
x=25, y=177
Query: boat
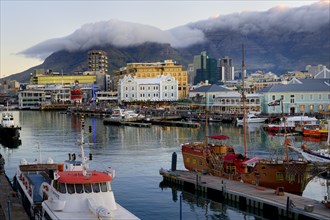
x=317, y=131
x=68, y=190
x=215, y=156
x=319, y=156
x=9, y=132
x=251, y=118
x=290, y=124
x=120, y=115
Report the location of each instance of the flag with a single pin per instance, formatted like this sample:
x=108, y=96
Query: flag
x=275, y=103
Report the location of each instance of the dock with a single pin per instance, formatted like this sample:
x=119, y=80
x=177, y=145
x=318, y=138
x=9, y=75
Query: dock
x=10, y=205
x=272, y=203
x=176, y=123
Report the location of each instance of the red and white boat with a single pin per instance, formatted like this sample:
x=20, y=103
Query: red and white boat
x=290, y=124
x=68, y=191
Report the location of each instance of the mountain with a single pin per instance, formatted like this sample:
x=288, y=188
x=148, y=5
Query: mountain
x=276, y=40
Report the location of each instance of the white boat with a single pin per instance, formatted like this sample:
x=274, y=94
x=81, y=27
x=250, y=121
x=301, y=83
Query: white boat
x=320, y=156
x=251, y=118
x=69, y=190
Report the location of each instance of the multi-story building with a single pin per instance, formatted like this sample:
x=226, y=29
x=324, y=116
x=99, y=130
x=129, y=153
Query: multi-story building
x=162, y=88
x=226, y=69
x=297, y=97
x=152, y=70
x=205, y=68
x=40, y=77
x=98, y=61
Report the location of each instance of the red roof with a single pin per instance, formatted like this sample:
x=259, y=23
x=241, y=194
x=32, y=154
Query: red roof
x=218, y=137
x=78, y=177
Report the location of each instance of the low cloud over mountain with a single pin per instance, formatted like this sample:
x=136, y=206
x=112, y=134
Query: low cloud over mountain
x=275, y=23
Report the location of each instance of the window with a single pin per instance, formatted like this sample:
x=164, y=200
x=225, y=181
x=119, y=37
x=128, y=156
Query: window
x=320, y=96
x=79, y=188
x=103, y=186
x=96, y=187
x=273, y=97
x=62, y=188
x=70, y=188
x=279, y=176
x=291, y=98
x=302, y=108
x=311, y=97
x=320, y=107
x=311, y=107
x=302, y=97
x=88, y=188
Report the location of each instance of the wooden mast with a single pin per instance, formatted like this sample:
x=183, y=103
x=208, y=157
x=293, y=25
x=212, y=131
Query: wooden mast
x=244, y=100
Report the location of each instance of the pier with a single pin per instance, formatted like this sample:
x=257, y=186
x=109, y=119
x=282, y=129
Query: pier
x=10, y=205
x=273, y=203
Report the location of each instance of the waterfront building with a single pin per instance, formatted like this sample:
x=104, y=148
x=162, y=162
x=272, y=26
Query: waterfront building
x=31, y=99
x=107, y=96
x=152, y=70
x=162, y=88
x=226, y=69
x=299, y=96
x=221, y=100
x=205, y=68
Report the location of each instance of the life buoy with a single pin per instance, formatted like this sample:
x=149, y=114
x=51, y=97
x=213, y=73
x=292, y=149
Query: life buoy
x=46, y=187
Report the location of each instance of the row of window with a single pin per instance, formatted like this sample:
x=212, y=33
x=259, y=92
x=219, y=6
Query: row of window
x=81, y=188
x=305, y=96
x=142, y=88
x=150, y=95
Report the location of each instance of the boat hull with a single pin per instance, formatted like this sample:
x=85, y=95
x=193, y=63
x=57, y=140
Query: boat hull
x=292, y=176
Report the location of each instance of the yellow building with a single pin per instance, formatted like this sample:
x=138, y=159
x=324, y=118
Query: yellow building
x=56, y=78
x=152, y=70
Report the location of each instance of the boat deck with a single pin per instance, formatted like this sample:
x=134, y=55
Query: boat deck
x=272, y=202
x=36, y=179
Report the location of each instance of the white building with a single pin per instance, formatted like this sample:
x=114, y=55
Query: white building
x=162, y=88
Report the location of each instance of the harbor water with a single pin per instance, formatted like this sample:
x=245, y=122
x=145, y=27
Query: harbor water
x=137, y=154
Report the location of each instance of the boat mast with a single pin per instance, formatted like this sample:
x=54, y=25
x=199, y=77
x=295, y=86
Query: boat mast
x=206, y=122
x=82, y=142
x=286, y=140
x=244, y=100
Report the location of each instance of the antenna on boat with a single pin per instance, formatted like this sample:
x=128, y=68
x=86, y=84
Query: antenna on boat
x=244, y=100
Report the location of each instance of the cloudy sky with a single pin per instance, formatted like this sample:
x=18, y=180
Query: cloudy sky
x=32, y=30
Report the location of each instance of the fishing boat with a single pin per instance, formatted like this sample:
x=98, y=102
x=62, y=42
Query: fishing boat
x=9, y=132
x=221, y=159
x=251, y=118
x=68, y=190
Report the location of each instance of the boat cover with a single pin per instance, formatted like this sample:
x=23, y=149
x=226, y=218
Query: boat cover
x=218, y=137
x=253, y=160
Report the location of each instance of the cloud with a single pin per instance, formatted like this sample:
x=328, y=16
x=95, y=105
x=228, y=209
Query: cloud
x=276, y=21
x=117, y=33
